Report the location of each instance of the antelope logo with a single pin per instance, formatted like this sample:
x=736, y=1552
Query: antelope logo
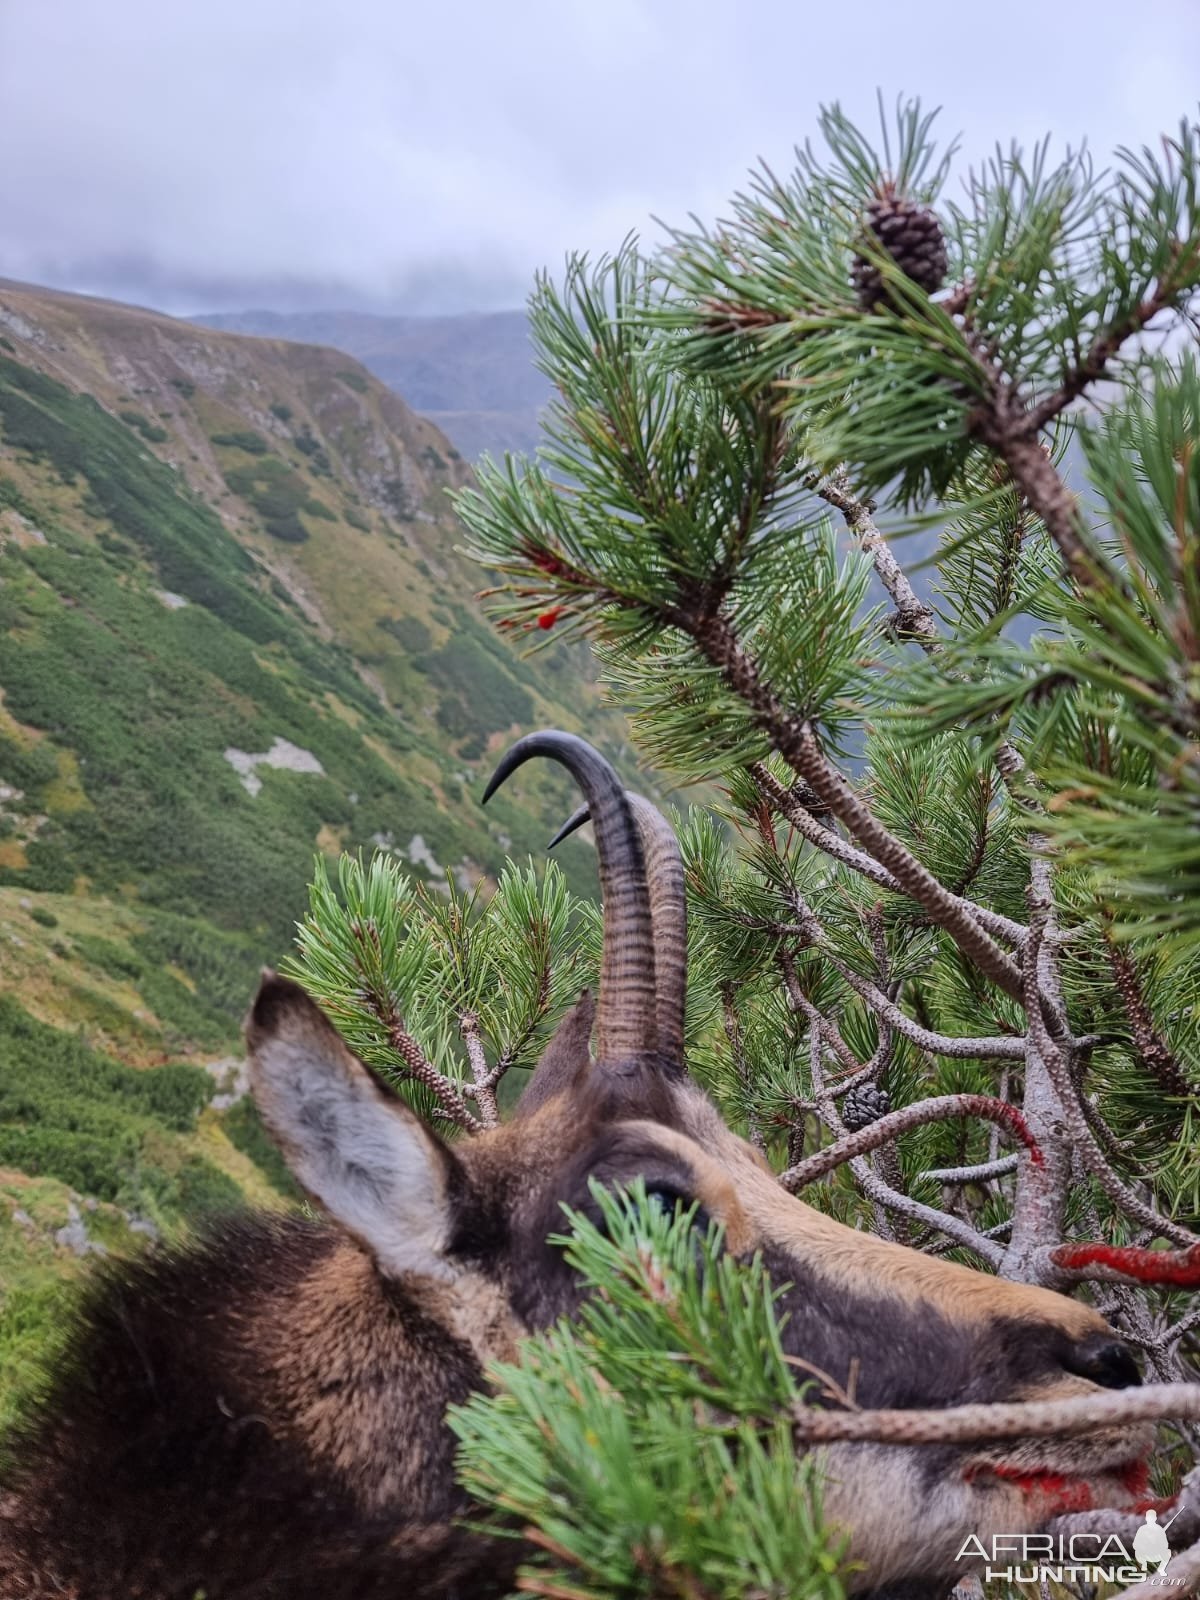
x=260, y=1414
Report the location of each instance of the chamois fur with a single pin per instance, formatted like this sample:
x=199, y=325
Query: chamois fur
x=259, y=1415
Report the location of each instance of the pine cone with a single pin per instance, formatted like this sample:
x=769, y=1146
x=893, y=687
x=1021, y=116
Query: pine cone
x=864, y=1104
x=912, y=235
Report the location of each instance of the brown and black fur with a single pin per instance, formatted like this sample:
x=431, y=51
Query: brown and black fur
x=179, y=1459
x=260, y=1416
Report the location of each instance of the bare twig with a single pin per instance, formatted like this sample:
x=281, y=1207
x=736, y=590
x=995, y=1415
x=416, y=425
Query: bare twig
x=1105, y=1137
x=828, y=1113
x=483, y=1089
x=885, y=1045
x=1184, y=1326
x=994, y=1134
x=792, y=808
x=1122, y=1197
x=1042, y=1419
x=1112, y=1263
x=903, y=1205
x=828, y=1030
x=882, y=1195
x=983, y=1173
x=1184, y=1578
x=940, y=1108
x=998, y=1047
x=914, y=617
x=1184, y=1521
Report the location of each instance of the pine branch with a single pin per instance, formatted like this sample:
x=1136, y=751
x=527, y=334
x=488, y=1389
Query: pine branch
x=941, y=1108
x=943, y=908
x=1041, y=1419
x=737, y=1050
x=1109, y=1263
x=983, y=1172
x=914, y=619
x=1121, y=1196
x=422, y=1070
x=1153, y=1051
x=799, y=814
x=1010, y=427
x=1036, y=476
x=483, y=1088
x=796, y=742
x=1107, y=345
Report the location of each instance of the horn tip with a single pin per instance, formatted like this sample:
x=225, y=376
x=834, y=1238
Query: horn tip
x=575, y=821
x=551, y=742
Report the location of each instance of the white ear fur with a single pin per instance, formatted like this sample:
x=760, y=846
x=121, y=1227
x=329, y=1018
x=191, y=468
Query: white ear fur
x=368, y=1160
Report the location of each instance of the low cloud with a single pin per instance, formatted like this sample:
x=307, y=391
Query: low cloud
x=432, y=158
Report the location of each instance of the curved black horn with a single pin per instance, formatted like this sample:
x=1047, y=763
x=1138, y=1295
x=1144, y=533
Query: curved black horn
x=668, y=912
x=625, y=1013
x=574, y=822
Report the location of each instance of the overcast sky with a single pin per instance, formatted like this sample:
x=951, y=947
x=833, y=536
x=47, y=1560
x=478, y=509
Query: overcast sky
x=219, y=154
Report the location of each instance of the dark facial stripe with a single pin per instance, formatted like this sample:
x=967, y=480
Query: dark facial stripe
x=906, y=1354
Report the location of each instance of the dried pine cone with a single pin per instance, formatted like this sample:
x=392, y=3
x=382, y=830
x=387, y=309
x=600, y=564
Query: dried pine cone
x=863, y=1104
x=912, y=235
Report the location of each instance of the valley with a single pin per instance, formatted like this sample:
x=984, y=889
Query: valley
x=235, y=635
x=473, y=375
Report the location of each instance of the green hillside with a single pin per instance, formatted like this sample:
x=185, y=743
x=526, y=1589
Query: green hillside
x=234, y=631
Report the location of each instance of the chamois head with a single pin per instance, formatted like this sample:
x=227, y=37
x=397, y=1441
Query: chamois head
x=474, y=1219
x=284, y=1384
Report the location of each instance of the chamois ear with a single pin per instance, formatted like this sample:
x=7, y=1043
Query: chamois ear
x=360, y=1151
x=566, y=1059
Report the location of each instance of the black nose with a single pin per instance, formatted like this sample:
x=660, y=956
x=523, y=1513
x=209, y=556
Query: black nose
x=1105, y=1361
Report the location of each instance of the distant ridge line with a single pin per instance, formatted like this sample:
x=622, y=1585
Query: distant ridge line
x=472, y=373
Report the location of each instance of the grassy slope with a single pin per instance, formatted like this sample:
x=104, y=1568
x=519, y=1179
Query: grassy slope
x=355, y=641
x=208, y=542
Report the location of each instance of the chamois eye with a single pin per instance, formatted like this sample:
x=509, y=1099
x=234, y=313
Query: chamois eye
x=669, y=1199
x=663, y=1196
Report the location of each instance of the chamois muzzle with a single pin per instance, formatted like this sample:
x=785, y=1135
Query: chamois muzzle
x=1108, y=1362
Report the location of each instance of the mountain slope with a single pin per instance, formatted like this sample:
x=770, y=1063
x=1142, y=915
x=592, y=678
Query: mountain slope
x=473, y=375
x=234, y=632
x=234, y=629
